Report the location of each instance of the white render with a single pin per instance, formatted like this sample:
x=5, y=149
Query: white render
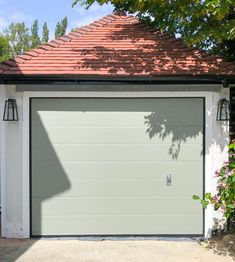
x=14, y=151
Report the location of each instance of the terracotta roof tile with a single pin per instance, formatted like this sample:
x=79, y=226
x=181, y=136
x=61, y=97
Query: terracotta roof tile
x=117, y=45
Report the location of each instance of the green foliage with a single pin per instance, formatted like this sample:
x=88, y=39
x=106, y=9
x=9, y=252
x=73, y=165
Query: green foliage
x=57, y=30
x=18, y=37
x=225, y=49
x=45, y=33
x=225, y=198
x=35, y=40
x=4, y=49
x=204, y=23
x=61, y=27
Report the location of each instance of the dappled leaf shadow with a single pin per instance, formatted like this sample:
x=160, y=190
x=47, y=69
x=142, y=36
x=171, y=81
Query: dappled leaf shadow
x=138, y=49
x=175, y=124
x=162, y=132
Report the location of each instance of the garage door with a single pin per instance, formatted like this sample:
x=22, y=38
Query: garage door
x=116, y=166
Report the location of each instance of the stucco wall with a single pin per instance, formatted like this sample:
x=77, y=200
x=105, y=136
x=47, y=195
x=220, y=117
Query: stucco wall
x=220, y=140
x=14, y=140
x=11, y=168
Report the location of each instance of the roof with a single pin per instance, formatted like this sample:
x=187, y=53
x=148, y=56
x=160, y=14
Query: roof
x=116, y=45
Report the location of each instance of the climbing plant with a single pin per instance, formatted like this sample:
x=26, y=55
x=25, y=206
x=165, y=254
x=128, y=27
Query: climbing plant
x=224, y=199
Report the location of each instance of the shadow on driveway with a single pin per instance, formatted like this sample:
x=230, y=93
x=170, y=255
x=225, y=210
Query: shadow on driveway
x=11, y=249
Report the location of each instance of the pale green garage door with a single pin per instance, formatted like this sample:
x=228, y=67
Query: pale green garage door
x=116, y=166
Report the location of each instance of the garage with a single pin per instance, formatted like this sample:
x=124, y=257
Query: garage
x=116, y=166
x=111, y=130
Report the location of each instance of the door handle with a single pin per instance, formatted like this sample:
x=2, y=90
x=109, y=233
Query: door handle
x=168, y=179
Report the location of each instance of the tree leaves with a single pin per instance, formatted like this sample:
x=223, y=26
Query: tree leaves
x=4, y=49
x=203, y=23
x=45, y=33
x=18, y=37
x=35, y=40
x=196, y=197
x=61, y=27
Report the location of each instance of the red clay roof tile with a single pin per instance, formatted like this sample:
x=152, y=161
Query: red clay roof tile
x=117, y=45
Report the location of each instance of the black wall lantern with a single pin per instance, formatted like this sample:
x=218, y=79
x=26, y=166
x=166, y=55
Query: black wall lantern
x=223, y=110
x=10, y=110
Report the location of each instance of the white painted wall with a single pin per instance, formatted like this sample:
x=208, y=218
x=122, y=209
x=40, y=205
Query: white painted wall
x=11, y=167
x=220, y=140
x=2, y=149
x=14, y=151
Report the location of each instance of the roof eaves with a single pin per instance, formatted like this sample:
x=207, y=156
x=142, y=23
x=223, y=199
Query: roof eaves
x=161, y=79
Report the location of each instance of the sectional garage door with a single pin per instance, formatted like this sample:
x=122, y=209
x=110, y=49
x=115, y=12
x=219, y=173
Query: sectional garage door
x=116, y=166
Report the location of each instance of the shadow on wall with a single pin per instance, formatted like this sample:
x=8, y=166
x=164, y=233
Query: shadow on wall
x=159, y=125
x=175, y=124
x=45, y=166
x=12, y=249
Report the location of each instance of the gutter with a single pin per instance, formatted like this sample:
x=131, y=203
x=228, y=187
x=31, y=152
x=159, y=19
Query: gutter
x=226, y=81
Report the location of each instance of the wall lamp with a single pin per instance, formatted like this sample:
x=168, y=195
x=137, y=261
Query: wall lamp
x=223, y=110
x=10, y=110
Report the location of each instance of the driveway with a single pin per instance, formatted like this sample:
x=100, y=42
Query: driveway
x=182, y=250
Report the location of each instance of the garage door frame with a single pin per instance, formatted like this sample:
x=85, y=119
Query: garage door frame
x=105, y=97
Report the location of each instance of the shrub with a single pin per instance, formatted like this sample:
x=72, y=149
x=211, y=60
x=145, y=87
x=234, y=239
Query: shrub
x=224, y=199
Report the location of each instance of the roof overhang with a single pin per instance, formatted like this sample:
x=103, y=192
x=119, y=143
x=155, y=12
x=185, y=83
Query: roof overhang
x=98, y=79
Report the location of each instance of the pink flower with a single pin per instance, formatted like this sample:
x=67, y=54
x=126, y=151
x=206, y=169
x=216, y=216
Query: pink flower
x=223, y=207
x=230, y=173
x=217, y=172
x=215, y=198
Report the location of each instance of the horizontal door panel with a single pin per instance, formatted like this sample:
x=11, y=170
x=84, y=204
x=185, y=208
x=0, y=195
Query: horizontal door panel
x=116, y=135
x=116, y=206
x=112, y=119
x=118, y=188
x=53, y=171
x=115, y=153
x=120, y=225
x=117, y=112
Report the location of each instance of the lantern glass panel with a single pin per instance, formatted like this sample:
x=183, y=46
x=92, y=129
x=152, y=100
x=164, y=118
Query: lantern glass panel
x=10, y=110
x=223, y=111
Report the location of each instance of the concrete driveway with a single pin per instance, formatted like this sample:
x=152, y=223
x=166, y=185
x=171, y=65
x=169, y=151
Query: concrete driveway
x=182, y=250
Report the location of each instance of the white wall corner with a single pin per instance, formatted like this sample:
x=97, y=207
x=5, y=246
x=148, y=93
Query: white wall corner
x=208, y=161
x=2, y=159
x=220, y=141
x=13, y=229
x=12, y=224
